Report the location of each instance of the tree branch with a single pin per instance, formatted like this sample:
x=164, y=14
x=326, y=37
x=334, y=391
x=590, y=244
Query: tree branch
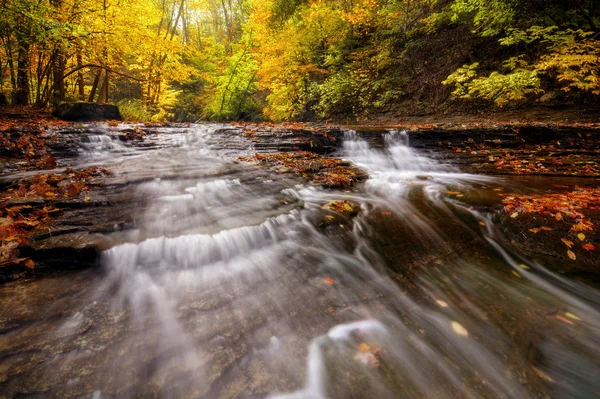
x=72, y=71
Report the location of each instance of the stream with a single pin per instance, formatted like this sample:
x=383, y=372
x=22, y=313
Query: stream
x=234, y=281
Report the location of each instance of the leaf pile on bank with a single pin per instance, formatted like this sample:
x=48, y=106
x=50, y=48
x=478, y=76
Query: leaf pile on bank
x=68, y=184
x=28, y=208
x=25, y=146
x=326, y=172
x=570, y=207
x=489, y=125
x=532, y=149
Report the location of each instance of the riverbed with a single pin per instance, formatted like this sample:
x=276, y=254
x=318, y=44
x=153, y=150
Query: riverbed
x=223, y=279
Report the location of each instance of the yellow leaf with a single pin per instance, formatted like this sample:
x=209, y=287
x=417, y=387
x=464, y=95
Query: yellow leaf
x=364, y=347
x=514, y=215
x=442, y=303
x=581, y=236
x=524, y=267
x=459, y=329
x=572, y=316
x=516, y=274
x=571, y=255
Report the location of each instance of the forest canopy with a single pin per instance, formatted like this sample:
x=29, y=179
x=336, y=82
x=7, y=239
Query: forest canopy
x=298, y=59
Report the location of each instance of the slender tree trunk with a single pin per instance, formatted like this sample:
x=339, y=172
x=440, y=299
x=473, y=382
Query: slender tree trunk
x=94, y=87
x=21, y=95
x=103, y=96
x=58, y=73
x=11, y=63
x=80, y=83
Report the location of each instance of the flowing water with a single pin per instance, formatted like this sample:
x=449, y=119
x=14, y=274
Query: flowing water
x=236, y=282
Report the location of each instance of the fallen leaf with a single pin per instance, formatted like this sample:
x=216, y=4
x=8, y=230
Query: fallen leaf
x=535, y=230
x=559, y=216
x=546, y=228
x=583, y=225
x=524, y=267
x=572, y=316
x=442, y=303
x=459, y=329
x=368, y=353
x=559, y=317
x=571, y=255
x=386, y=213
x=542, y=375
x=516, y=274
x=567, y=242
x=328, y=280
x=589, y=247
x=482, y=223
x=514, y=215
x=364, y=347
x=581, y=236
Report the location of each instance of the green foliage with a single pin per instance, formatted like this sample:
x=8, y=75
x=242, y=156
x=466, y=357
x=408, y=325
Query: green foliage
x=134, y=110
x=353, y=92
x=234, y=88
x=490, y=17
x=502, y=89
x=568, y=58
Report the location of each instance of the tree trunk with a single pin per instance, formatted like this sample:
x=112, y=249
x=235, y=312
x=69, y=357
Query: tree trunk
x=103, y=96
x=80, y=82
x=21, y=95
x=58, y=72
x=94, y=87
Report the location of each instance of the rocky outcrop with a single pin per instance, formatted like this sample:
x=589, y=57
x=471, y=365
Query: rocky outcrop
x=87, y=112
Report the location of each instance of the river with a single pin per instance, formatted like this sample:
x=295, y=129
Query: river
x=237, y=282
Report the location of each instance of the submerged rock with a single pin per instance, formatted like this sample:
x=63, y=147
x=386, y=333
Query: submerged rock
x=87, y=112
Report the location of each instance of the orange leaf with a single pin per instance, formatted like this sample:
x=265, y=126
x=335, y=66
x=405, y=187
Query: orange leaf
x=559, y=317
x=559, y=216
x=568, y=243
x=589, y=247
x=328, y=280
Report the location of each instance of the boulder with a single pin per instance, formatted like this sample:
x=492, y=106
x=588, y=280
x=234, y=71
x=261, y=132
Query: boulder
x=87, y=112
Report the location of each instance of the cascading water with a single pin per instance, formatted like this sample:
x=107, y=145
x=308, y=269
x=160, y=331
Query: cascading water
x=229, y=286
